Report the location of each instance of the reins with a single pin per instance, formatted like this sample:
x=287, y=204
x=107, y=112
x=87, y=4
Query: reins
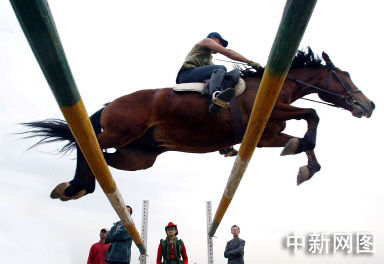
x=234, y=62
x=319, y=102
x=332, y=72
x=346, y=87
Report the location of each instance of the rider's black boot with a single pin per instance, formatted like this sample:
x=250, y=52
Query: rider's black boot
x=219, y=98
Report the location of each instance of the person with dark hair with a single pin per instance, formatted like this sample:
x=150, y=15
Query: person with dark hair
x=98, y=250
x=171, y=249
x=119, y=252
x=198, y=67
x=234, y=251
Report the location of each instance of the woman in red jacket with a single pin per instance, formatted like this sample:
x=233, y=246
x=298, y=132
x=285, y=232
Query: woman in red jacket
x=171, y=249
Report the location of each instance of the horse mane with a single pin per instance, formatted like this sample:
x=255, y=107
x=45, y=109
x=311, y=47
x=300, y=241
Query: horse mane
x=303, y=59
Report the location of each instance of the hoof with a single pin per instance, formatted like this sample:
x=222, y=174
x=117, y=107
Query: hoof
x=228, y=152
x=291, y=147
x=58, y=192
x=303, y=175
x=232, y=153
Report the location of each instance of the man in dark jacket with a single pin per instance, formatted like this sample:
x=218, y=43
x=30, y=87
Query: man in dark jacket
x=119, y=252
x=234, y=251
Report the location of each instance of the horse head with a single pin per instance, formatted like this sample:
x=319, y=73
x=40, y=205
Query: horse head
x=341, y=91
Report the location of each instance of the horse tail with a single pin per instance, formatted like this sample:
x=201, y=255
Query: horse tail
x=57, y=130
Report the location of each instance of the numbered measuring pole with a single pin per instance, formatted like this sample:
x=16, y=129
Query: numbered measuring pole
x=292, y=26
x=40, y=30
x=144, y=229
x=209, y=239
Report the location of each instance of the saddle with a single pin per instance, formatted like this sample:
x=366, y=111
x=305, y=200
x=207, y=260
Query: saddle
x=203, y=87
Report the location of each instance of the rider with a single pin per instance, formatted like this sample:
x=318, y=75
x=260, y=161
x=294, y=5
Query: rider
x=198, y=67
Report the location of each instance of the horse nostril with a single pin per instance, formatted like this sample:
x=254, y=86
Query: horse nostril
x=373, y=105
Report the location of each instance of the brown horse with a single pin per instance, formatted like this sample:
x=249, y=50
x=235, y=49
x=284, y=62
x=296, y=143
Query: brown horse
x=146, y=123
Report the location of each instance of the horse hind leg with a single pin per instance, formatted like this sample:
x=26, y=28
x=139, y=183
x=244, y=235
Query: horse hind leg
x=82, y=184
x=84, y=180
x=132, y=158
x=306, y=172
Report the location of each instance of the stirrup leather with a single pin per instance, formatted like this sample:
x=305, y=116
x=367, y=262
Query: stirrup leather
x=218, y=101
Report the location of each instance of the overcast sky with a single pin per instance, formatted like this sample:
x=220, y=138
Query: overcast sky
x=118, y=47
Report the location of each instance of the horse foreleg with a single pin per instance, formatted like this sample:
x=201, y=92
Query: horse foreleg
x=283, y=112
x=306, y=172
x=280, y=140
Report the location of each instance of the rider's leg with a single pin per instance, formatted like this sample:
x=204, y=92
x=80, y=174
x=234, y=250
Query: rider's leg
x=221, y=95
x=231, y=79
x=198, y=74
x=216, y=81
x=216, y=74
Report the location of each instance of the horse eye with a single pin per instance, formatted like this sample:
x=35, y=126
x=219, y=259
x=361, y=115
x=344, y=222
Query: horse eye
x=347, y=74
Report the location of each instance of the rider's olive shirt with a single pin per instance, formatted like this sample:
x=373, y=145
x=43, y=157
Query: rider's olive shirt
x=198, y=56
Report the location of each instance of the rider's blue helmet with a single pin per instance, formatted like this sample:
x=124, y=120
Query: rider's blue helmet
x=217, y=35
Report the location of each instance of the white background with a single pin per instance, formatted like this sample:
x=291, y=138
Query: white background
x=117, y=47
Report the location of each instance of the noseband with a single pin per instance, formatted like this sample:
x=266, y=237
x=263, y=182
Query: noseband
x=349, y=99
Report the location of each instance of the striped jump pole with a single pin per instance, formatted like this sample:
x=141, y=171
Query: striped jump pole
x=295, y=19
x=39, y=28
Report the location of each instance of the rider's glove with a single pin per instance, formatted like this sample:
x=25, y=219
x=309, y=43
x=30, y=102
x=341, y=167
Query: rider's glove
x=254, y=65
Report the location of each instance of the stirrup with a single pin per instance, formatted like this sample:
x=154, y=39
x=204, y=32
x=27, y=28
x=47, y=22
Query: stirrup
x=218, y=101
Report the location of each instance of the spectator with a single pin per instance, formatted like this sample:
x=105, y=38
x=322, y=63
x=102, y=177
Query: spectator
x=171, y=249
x=119, y=252
x=234, y=251
x=98, y=250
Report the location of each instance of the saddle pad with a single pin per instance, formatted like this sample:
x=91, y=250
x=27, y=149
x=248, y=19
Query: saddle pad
x=198, y=87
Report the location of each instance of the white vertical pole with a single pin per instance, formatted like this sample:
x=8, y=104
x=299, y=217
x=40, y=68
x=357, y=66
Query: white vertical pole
x=209, y=239
x=144, y=229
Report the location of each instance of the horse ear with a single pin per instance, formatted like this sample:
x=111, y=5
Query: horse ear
x=327, y=59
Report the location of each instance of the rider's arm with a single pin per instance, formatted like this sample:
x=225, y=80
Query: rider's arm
x=239, y=251
x=215, y=47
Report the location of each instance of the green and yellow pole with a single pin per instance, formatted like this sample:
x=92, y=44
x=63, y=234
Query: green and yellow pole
x=39, y=27
x=295, y=19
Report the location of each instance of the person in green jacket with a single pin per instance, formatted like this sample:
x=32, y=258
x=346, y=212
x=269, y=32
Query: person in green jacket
x=119, y=252
x=171, y=249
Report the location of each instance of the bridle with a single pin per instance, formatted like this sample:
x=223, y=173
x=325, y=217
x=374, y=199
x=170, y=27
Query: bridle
x=349, y=99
